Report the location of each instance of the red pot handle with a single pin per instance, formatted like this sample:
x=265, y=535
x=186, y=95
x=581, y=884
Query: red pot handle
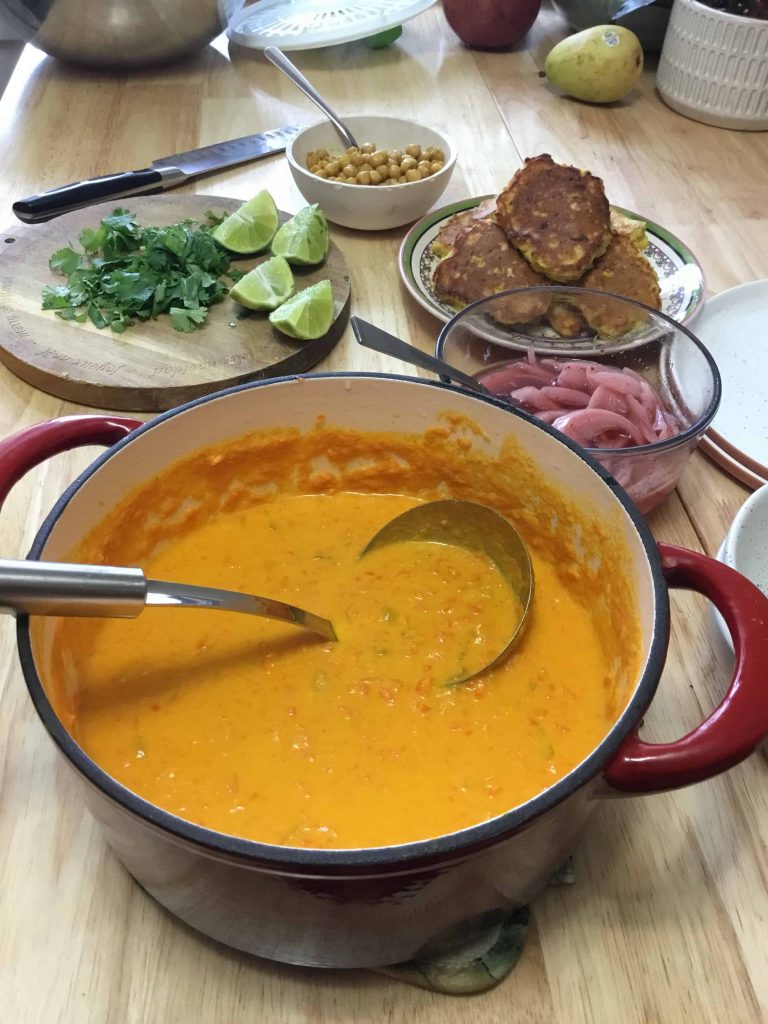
x=740, y=723
x=29, y=447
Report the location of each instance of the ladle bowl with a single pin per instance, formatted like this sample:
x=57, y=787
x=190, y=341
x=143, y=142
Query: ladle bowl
x=466, y=524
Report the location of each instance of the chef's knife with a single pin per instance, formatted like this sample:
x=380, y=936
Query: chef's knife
x=165, y=173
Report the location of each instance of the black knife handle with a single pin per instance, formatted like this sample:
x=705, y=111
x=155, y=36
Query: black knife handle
x=51, y=204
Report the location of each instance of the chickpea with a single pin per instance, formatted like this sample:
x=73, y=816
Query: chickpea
x=367, y=165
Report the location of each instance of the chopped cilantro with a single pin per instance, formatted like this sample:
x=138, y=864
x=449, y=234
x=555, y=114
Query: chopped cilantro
x=188, y=319
x=128, y=273
x=64, y=261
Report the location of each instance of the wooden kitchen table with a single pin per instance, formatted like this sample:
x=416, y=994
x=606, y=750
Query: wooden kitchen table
x=667, y=921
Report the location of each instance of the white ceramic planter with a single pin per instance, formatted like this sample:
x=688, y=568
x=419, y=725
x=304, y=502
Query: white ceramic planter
x=714, y=67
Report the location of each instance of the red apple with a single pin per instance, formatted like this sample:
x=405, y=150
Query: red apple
x=491, y=24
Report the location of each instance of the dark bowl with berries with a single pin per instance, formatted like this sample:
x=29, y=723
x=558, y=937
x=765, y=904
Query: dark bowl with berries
x=714, y=63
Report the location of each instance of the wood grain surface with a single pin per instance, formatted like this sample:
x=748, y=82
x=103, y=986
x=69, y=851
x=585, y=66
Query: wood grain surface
x=151, y=366
x=667, y=922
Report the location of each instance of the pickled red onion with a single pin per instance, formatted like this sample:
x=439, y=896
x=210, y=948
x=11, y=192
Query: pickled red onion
x=595, y=405
x=615, y=410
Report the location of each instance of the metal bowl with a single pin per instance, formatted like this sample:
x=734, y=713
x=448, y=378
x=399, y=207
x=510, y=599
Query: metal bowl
x=116, y=33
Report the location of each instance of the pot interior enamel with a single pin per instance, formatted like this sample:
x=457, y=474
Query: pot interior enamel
x=362, y=403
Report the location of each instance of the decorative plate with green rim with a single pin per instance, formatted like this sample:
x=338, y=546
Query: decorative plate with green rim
x=680, y=275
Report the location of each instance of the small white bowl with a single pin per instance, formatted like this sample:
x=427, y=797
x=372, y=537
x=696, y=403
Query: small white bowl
x=745, y=547
x=370, y=207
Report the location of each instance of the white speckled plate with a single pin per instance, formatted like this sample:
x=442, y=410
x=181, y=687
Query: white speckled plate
x=680, y=275
x=734, y=327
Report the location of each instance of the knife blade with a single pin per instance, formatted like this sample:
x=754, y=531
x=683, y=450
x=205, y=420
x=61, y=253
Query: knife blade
x=167, y=172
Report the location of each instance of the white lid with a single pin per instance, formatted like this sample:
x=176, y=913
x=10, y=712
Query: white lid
x=307, y=24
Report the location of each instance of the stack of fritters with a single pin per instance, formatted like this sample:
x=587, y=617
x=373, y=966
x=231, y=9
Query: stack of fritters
x=552, y=224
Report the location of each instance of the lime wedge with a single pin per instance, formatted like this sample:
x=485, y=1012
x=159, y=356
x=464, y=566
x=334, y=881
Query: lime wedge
x=251, y=227
x=308, y=315
x=304, y=238
x=266, y=287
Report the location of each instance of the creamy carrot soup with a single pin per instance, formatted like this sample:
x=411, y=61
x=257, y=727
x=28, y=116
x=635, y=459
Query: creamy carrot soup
x=259, y=729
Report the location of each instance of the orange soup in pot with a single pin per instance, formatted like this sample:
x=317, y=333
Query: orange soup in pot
x=258, y=729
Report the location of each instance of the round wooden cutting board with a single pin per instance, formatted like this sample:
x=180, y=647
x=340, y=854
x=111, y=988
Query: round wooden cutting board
x=151, y=366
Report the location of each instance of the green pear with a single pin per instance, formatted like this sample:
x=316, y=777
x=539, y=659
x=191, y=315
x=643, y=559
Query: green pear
x=599, y=65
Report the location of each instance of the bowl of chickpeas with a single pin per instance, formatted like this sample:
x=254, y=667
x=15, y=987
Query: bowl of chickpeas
x=398, y=170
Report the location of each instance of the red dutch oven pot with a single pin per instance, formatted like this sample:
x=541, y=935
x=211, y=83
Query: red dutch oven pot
x=370, y=907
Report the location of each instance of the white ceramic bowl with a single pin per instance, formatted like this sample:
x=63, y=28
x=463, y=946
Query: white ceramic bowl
x=714, y=67
x=745, y=548
x=370, y=207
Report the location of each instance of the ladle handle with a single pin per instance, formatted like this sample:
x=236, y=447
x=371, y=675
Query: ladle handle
x=289, y=69
x=378, y=340
x=54, y=588
x=102, y=591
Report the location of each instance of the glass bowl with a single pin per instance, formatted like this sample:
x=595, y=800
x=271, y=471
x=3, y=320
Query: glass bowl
x=637, y=390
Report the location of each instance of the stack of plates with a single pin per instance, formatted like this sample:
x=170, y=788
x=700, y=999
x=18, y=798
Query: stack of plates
x=734, y=327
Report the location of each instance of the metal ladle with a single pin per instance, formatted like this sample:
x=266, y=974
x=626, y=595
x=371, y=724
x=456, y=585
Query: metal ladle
x=97, y=591
x=466, y=524
x=289, y=69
